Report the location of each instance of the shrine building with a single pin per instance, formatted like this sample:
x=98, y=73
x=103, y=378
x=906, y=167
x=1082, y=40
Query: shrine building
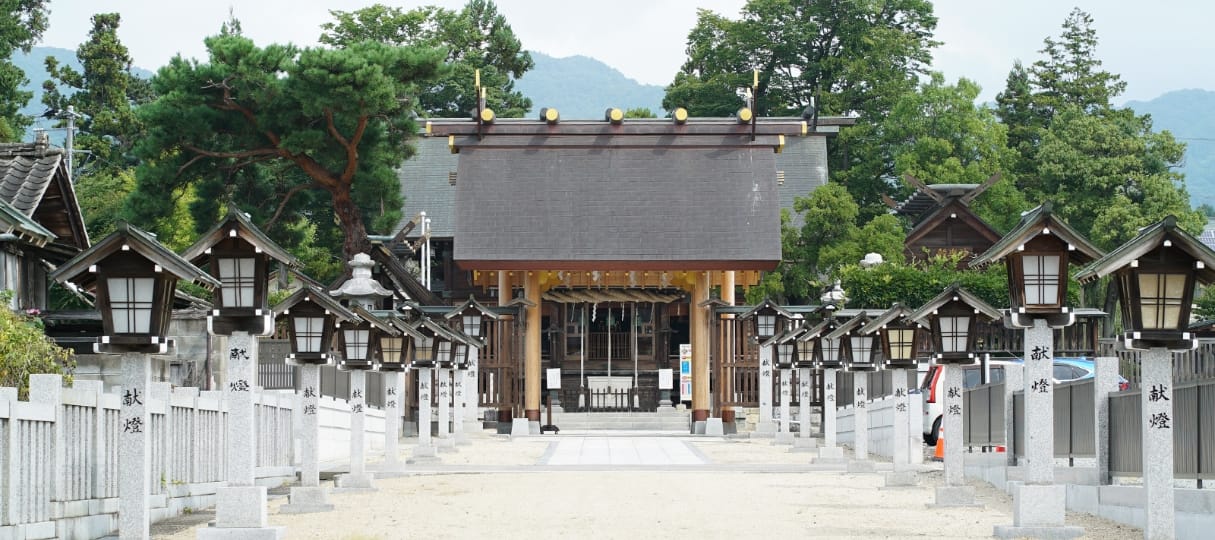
x=607, y=240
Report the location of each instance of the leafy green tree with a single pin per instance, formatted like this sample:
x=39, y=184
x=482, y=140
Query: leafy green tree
x=22, y=23
x=640, y=112
x=846, y=57
x=25, y=349
x=279, y=130
x=939, y=135
x=476, y=38
x=1110, y=174
x=827, y=240
x=918, y=282
x=104, y=92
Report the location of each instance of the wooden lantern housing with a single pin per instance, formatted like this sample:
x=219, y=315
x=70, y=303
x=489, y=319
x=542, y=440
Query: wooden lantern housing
x=311, y=317
x=770, y=319
x=953, y=316
x=360, y=340
x=397, y=350
x=856, y=350
x=1156, y=273
x=899, y=336
x=133, y=277
x=1037, y=254
x=238, y=254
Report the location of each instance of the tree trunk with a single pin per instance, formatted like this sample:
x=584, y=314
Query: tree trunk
x=351, y=222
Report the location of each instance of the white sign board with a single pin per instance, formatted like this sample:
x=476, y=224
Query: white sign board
x=666, y=378
x=685, y=372
x=553, y=376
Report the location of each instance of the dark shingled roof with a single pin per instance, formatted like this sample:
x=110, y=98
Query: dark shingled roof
x=651, y=195
x=34, y=182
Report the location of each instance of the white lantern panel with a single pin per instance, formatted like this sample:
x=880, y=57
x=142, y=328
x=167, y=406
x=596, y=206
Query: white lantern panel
x=390, y=348
x=308, y=333
x=472, y=325
x=131, y=304
x=1160, y=297
x=444, y=351
x=236, y=282
x=954, y=331
x=902, y=342
x=1041, y=279
x=862, y=349
x=425, y=351
x=830, y=349
x=767, y=325
x=356, y=343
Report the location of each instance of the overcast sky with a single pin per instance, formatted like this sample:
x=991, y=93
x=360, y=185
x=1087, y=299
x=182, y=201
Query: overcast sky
x=1156, y=46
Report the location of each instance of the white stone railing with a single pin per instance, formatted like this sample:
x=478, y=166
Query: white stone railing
x=881, y=426
x=59, y=462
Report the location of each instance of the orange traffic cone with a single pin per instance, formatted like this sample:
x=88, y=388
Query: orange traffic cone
x=940, y=452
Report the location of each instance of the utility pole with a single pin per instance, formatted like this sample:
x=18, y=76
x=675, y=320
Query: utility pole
x=70, y=115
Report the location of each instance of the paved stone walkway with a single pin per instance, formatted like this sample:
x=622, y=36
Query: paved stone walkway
x=622, y=451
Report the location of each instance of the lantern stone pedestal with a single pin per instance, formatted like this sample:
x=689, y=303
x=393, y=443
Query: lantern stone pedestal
x=424, y=452
x=134, y=451
x=1039, y=506
x=392, y=466
x=310, y=496
x=829, y=452
x=461, y=404
x=785, y=435
x=240, y=508
x=805, y=441
x=520, y=427
x=860, y=426
x=1156, y=400
x=903, y=475
x=357, y=479
x=955, y=492
x=766, y=426
x=443, y=441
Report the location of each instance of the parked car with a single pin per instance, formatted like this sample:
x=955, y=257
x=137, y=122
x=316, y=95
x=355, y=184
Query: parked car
x=1065, y=370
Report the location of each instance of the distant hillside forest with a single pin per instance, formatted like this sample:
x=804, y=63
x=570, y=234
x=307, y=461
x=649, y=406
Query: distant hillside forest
x=1190, y=116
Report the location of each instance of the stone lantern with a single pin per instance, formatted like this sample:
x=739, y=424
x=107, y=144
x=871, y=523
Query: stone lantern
x=768, y=319
x=1037, y=255
x=1156, y=273
x=953, y=316
x=855, y=351
x=474, y=317
x=134, y=278
x=310, y=316
x=899, y=337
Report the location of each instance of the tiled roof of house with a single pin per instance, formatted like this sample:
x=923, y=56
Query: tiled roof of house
x=34, y=181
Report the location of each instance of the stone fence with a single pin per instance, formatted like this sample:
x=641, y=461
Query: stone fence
x=881, y=427
x=59, y=459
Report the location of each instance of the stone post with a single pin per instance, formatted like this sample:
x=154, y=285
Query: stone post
x=461, y=405
x=1156, y=399
x=955, y=492
x=860, y=423
x=472, y=392
x=394, y=382
x=443, y=441
x=134, y=450
x=785, y=435
x=900, y=455
x=1039, y=506
x=1105, y=382
x=829, y=452
x=240, y=506
x=425, y=450
x=310, y=496
x=766, y=426
x=358, y=477
x=805, y=442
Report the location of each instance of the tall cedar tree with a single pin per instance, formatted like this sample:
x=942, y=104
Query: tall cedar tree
x=337, y=121
x=22, y=23
x=476, y=37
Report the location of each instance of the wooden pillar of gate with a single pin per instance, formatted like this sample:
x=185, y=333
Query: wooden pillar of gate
x=504, y=379
x=699, y=330
x=726, y=346
x=531, y=353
